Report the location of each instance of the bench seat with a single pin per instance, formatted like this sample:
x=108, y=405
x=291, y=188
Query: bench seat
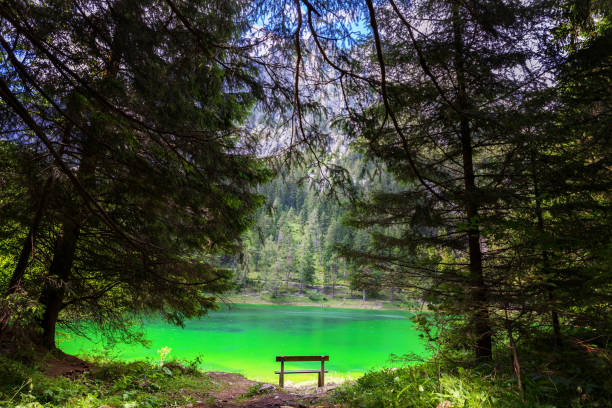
x=300, y=371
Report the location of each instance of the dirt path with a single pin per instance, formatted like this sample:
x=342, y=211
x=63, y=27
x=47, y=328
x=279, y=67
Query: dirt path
x=235, y=391
x=66, y=365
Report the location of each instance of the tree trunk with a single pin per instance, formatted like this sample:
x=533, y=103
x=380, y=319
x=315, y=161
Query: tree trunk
x=540, y=224
x=514, y=356
x=301, y=282
x=244, y=279
x=556, y=327
x=363, y=295
x=53, y=305
x=479, y=297
x=59, y=274
x=60, y=270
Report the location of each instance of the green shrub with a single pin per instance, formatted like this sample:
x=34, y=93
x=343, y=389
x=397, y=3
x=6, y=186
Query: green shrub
x=418, y=387
x=12, y=374
x=317, y=297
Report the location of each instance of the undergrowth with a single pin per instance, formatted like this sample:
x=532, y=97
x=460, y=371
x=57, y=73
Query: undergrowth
x=125, y=385
x=419, y=387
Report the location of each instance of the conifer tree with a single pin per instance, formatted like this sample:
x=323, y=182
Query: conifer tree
x=137, y=103
x=561, y=239
x=447, y=116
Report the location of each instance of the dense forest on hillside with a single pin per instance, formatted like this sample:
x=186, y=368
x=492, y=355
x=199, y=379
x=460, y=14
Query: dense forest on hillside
x=296, y=242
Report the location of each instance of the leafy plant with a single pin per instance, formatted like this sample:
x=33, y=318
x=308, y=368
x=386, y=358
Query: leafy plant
x=163, y=353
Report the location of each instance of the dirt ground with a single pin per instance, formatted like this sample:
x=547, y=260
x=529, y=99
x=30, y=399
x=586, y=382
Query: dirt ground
x=230, y=390
x=67, y=366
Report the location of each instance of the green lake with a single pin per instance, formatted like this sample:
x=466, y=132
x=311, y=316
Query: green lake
x=246, y=339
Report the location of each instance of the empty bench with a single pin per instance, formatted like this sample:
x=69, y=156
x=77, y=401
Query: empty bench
x=282, y=372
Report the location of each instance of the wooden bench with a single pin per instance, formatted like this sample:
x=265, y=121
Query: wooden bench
x=282, y=372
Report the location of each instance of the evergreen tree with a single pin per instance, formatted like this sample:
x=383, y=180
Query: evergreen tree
x=448, y=115
x=561, y=240
x=139, y=114
x=307, y=269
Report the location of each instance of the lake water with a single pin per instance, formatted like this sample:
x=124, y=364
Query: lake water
x=247, y=338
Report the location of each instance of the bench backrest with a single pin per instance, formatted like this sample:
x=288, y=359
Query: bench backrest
x=302, y=358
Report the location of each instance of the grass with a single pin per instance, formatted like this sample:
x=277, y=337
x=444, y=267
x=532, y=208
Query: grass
x=126, y=385
x=419, y=387
x=253, y=390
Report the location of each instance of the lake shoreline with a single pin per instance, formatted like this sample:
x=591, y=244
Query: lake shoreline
x=305, y=302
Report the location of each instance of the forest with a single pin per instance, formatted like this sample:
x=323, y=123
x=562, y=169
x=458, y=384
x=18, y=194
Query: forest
x=452, y=158
x=295, y=246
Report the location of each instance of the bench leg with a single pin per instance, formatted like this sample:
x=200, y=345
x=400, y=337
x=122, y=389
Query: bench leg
x=322, y=375
x=281, y=377
x=320, y=380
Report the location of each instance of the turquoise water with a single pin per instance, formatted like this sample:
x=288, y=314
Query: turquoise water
x=247, y=338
